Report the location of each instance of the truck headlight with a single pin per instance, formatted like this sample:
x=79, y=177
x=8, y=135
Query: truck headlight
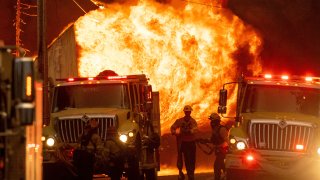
x=131, y=134
x=240, y=145
x=318, y=151
x=232, y=141
x=43, y=138
x=50, y=142
x=123, y=138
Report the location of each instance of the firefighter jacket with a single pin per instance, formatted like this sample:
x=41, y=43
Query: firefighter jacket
x=220, y=136
x=89, y=147
x=187, y=126
x=113, y=151
x=91, y=141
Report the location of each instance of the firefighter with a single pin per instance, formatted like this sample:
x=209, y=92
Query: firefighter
x=89, y=144
x=219, y=138
x=186, y=144
x=114, y=154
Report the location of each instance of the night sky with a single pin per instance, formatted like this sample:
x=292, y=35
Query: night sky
x=290, y=29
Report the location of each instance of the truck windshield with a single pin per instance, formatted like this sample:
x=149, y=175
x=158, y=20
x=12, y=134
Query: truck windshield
x=90, y=96
x=263, y=98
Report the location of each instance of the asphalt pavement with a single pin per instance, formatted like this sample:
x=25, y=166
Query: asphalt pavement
x=198, y=176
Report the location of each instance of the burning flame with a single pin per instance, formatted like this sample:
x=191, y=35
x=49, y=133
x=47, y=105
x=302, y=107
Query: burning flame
x=187, y=52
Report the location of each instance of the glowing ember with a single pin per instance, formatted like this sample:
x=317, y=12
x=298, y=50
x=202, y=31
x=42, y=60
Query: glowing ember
x=186, y=52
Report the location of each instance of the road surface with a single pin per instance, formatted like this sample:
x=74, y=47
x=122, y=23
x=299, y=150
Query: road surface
x=200, y=176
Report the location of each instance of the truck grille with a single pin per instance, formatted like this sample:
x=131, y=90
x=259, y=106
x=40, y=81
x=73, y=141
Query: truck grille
x=70, y=128
x=280, y=135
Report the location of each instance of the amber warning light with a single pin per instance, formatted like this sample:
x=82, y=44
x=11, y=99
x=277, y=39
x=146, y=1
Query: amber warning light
x=28, y=86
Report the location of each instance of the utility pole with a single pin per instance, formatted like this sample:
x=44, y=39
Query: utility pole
x=42, y=55
x=18, y=29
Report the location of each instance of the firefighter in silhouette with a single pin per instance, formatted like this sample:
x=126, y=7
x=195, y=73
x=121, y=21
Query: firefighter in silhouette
x=89, y=144
x=114, y=154
x=186, y=144
x=219, y=138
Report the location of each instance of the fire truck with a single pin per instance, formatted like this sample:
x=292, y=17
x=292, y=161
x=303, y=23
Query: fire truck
x=276, y=131
x=125, y=102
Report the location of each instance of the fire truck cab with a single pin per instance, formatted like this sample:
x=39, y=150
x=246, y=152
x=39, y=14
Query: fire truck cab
x=276, y=132
x=124, y=102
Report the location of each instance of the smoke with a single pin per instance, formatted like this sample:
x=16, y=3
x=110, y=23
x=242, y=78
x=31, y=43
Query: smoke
x=290, y=31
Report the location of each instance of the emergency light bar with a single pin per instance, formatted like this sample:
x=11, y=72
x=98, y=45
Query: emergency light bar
x=122, y=77
x=116, y=77
x=285, y=77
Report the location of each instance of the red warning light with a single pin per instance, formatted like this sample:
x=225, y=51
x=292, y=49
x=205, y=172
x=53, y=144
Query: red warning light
x=309, y=79
x=249, y=157
x=284, y=77
x=268, y=76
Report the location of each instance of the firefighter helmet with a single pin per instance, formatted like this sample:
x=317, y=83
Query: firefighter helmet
x=215, y=117
x=187, y=108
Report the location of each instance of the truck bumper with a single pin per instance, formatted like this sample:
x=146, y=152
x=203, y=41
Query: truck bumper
x=293, y=167
x=49, y=156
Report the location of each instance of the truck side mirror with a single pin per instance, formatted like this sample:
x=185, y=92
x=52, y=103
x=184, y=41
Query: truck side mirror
x=24, y=92
x=222, y=101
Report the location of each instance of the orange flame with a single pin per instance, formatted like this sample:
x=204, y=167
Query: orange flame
x=186, y=52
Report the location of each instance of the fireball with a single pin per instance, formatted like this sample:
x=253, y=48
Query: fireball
x=186, y=49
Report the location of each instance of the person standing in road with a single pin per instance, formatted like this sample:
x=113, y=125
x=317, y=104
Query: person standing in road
x=90, y=143
x=114, y=152
x=186, y=144
x=219, y=138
